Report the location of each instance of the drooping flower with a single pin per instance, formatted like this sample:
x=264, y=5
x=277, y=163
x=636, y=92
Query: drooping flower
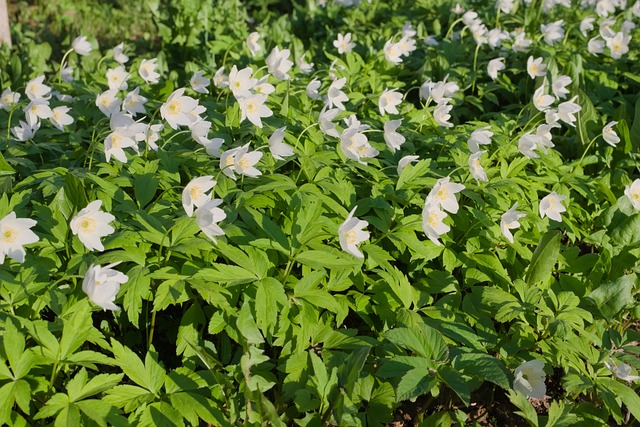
x=252, y=43
x=432, y=222
x=325, y=121
x=279, y=64
x=178, y=108
x=553, y=32
x=253, y=108
x=312, y=89
x=148, y=72
x=527, y=143
x=91, y=224
x=81, y=45
x=195, y=193
x=476, y=169
x=510, y=220
x=335, y=96
x=14, y=234
x=119, y=55
x=609, y=135
x=244, y=161
x=595, y=46
x=567, y=109
x=494, y=66
x=442, y=116
x=351, y=233
x=541, y=100
x=102, y=284
x=279, y=149
x=551, y=206
x=622, y=371
x=559, y=86
x=199, y=83
x=481, y=136
x=444, y=194
x=388, y=101
x=344, y=43
x=24, y=131
x=220, y=79
x=529, y=379
x=208, y=216
x=393, y=139
x=406, y=160
x=134, y=102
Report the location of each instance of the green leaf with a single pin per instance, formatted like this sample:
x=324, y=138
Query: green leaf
x=527, y=410
x=95, y=385
x=270, y=295
x=137, y=288
x=628, y=396
x=349, y=372
x=5, y=168
x=613, y=297
x=416, y=382
x=627, y=232
x=635, y=127
x=484, y=367
x=145, y=187
x=329, y=260
x=131, y=364
x=247, y=325
x=456, y=382
x=424, y=341
x=544, y=258
x=13, y=343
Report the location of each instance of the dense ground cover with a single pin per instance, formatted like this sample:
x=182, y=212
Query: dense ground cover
x=330, y=213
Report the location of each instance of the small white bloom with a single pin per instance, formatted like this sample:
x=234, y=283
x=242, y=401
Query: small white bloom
x=541, y=100
x=227, y=162
x=252, y=43
x=335, y=96
x=67, y=74
x=622, y=371
x=393, y=139
x=208, y=216
x=527, y=143
x=90, y=224
x=212, y=146
x=633, y=193
x=220, y=79
x=108, y=103
x=443, y=194
x=24, y=131
x=529, y=379
x=178, y=108
x=253, y=108
x=118, y=54
x=431, y=40
x=442, y=116
x=586, y=25
x=312, y=89
x=278, y=148
x=263, y=87
x=510, y=220
x=102, y=284
x=609, y=135
x=304, y=67
x=148, y=72
x=520, y=42
x=325, y=120
x=476, y=169
x=196, y=194
x=392, y=52
x=535, y=67
x=244, y=161
x=116, y=142
x=432, y=222
x=552, y=207
x=35, y=89
x=14, y=234
x=199, y=83
x=351, y=233
x=134, y=102
x=60, y=118
x=279, y=64
x=81, y=46
x=406, y=160
x=36, y=110
x=553, y=32
x=494, y=66
x=595, y=46
x=117, y=78
x=344, y=44
x=8, y=98
x=559, y=86
x=481, y=136
x=240, y=82
x=567, y=109
x=388, y=101
x=618, y=45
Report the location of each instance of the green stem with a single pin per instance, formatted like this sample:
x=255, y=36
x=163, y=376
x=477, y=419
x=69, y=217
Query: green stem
x=62, y=65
